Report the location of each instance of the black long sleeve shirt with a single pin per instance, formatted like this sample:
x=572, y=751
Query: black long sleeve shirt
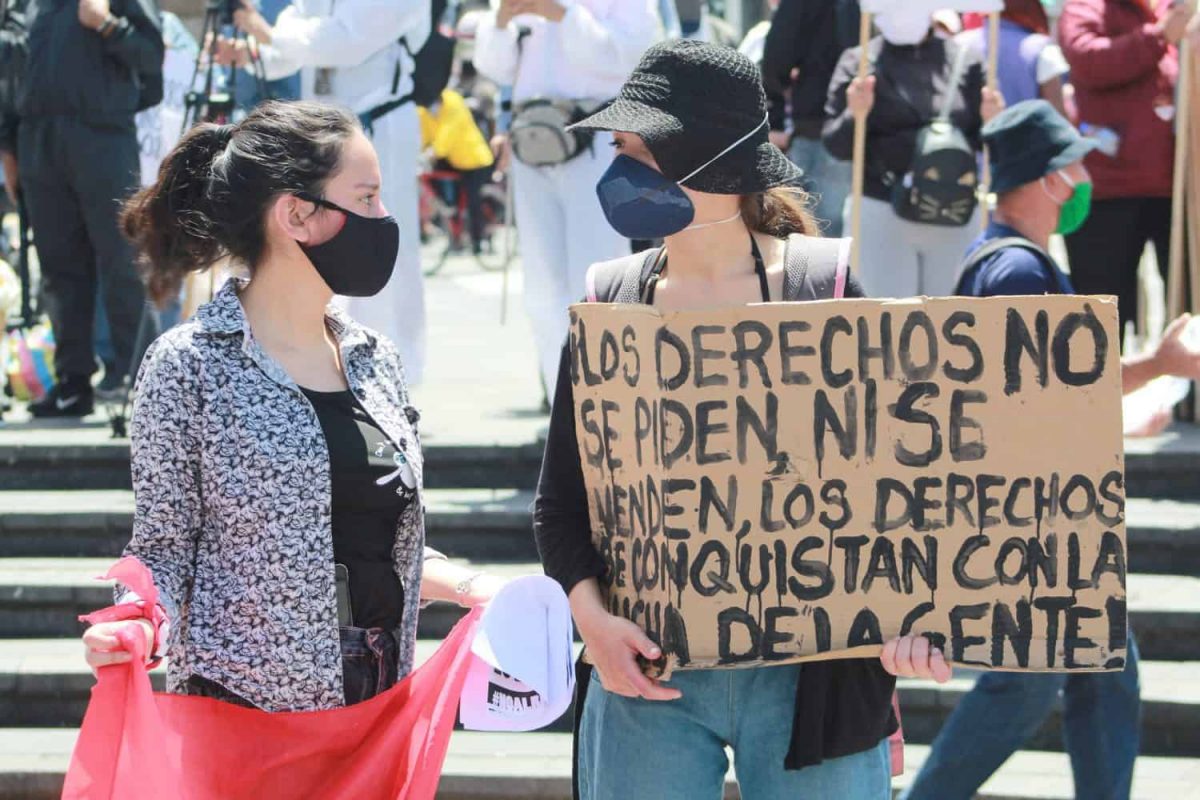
x=911, y=84
x=842, y=706
x=13, y=53
x=808, y=36
x=73, y=71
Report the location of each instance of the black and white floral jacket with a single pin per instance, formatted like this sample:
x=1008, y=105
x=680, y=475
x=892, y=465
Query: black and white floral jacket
x=233, y=515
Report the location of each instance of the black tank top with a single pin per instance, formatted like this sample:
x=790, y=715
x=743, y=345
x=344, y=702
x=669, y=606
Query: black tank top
x=372, y=485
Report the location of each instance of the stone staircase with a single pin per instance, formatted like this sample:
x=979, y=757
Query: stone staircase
x=66, y=510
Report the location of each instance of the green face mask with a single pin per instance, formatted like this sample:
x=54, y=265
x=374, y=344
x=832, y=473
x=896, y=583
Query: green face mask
x=1074, y=212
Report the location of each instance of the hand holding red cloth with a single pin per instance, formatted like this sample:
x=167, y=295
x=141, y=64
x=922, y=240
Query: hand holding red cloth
x=135, y=743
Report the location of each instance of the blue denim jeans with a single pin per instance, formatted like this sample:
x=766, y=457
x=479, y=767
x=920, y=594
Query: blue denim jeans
x=826, y=178
x=369, y=662
x=1101, y=716
x=675, y=750
x=165, y=319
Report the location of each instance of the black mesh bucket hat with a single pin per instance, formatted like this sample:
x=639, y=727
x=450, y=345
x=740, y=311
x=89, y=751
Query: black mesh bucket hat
x=690, y=102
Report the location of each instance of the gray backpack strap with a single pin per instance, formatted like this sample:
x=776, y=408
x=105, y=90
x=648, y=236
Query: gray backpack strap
x=607, y=280
x=990, y=248
x=811, y=267
x=637, y=272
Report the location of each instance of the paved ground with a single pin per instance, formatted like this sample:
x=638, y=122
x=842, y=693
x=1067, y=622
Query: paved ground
x=482, y=383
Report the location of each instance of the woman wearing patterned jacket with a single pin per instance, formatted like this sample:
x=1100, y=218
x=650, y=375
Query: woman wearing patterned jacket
x=276, y=461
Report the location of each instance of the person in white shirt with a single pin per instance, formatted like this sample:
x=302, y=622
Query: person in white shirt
x=698, y=24
x=349, y=53
x=755, y=40
x=576, y=55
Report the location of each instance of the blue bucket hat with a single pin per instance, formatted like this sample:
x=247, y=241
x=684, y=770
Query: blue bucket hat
x=1028, y=141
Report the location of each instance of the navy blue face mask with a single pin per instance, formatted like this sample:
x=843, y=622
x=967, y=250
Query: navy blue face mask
x=642, y=203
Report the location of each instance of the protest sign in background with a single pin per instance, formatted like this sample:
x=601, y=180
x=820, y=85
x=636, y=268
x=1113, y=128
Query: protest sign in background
x=786, y=481
x=160, y=128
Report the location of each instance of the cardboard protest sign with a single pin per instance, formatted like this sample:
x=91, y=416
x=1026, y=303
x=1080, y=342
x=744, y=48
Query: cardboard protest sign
x=787, y=481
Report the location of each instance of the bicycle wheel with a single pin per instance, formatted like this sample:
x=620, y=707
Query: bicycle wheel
x=499, y=239
x=435, y=237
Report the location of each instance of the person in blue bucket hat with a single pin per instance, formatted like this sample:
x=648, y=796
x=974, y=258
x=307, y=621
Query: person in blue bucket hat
x=1043, y=188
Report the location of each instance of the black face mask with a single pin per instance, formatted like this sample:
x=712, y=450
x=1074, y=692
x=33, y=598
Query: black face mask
x=358, y=261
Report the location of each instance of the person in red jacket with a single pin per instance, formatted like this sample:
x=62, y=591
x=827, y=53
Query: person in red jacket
x=1124, y=66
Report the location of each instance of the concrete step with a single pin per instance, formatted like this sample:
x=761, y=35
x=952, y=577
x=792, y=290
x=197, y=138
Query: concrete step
x=1170, y=696
x=42, y=597
x=45, y=683
x=57, y=456
x=68, y=456
x=537, y=766
x=1164, y=466
x=483, y=524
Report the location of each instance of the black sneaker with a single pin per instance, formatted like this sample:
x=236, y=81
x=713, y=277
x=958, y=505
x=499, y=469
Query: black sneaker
x=71, y=398
x=111, y=387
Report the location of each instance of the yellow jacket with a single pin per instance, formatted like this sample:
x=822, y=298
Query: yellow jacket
x=453, y=135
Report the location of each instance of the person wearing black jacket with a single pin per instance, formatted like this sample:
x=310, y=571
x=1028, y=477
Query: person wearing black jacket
x=909, y=85
x=92, y=64
x=817, y=730
x=13, y=51
x=806, y=39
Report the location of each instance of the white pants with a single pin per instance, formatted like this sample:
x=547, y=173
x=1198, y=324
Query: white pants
x=562, y=232
x=899, y=258
x=398, y=312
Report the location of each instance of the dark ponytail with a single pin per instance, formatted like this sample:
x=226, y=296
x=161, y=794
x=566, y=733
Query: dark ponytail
x=214, y=188
x=780, y=212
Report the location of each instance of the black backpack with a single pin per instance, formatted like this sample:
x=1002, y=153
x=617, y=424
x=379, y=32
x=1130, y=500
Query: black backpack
x=940, y=185
x=435, y=60
x=432, y=64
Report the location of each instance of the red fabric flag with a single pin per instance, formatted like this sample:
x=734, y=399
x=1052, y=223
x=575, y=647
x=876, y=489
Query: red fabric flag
x=136, y=743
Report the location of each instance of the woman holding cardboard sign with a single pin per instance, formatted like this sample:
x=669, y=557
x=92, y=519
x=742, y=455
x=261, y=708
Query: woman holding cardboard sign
x=695, y=168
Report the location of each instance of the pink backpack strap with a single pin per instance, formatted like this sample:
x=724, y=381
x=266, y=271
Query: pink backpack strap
x=591, y=283
x=843, y=268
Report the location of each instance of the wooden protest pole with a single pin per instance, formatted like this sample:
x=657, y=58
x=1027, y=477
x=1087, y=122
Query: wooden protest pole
x=198, y=289
x=993, y=72
x=510, y=231
x=993, y=66
x=860, y=148
x=1175, y=270
x=1191, y=235
x=1193, y=199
